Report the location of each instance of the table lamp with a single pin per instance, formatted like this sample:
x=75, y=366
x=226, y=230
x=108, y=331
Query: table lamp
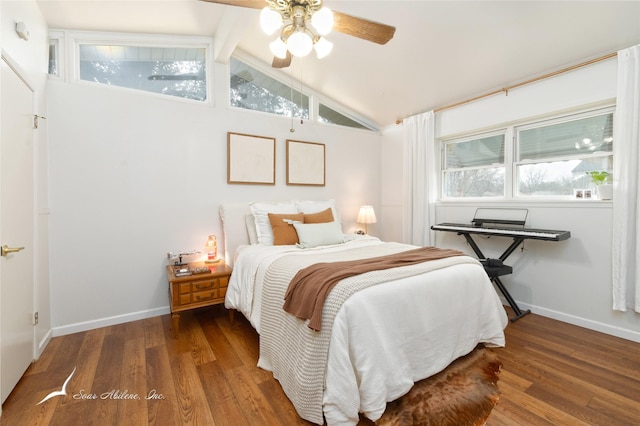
x=211, y=248
x=366, y=215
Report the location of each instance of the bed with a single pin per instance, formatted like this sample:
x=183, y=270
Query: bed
x=381, y=331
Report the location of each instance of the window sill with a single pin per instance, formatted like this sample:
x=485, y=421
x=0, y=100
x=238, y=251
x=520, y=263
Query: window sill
x=546, y=203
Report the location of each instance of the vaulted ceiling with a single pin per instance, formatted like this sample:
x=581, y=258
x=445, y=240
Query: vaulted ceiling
x=442, y=51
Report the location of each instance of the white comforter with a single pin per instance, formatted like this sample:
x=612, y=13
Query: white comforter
x=388, y=336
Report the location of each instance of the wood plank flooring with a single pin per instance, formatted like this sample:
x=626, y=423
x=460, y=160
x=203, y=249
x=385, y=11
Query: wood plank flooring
x=137, y=373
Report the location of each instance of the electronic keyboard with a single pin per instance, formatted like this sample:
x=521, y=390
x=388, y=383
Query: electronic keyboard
x=527, y=233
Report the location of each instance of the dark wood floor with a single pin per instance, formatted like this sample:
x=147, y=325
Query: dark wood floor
x=553, y=374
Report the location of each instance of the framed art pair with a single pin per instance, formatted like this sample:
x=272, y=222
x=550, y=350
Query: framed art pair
x=252, y=160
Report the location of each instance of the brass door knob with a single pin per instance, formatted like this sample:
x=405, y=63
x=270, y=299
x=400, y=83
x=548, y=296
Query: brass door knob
x=5, y=250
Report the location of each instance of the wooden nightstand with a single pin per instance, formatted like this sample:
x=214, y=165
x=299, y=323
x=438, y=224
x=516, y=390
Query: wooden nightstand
x=197, y=290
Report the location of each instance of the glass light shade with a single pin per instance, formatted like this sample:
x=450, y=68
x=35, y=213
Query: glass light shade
x=278, y=48
x=211, y=247
x=270, y=20
x=323, y=47
x=299, y=44
x=322, y=21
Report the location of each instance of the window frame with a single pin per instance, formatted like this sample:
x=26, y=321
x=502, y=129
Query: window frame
x=511, y=152
x=315, y=98
x=476, y=136
x=76, y=38
x=60, y=47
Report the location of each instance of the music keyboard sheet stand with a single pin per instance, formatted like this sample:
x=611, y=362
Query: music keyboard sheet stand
x=512, y=225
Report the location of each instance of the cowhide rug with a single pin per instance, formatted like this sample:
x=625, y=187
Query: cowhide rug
x=463, y=394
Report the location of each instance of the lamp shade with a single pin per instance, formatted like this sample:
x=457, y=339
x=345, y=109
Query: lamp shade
x=211, y=248
x=299, y=44
x=278, y=48
x=270, y=20
x=322, y=21
x=323, y=47
x=366, y=215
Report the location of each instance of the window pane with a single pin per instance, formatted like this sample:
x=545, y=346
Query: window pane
x=571, y=138
x=478, y=152
x=53, y=57
x=251, y=89
x=331, y=116
x=170, y=71
x=488, y=182
x=559, y=178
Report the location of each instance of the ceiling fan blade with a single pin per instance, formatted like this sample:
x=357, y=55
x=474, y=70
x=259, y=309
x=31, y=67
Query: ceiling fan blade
x=281, y=63
x=253, y=4
x=362, y=28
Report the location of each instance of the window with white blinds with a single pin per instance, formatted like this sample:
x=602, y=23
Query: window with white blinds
x=548, y=159
x=553, y=157
x=474, y=167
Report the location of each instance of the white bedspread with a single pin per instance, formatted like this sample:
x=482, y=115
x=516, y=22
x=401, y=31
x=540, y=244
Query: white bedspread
x=388, y=336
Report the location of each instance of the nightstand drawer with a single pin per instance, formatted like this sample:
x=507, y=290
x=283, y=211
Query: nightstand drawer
x=184, y=288
x=203, y=285
x=203, y=296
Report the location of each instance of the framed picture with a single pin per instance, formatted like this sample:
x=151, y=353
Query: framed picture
x=251, y=159
x=305, y=163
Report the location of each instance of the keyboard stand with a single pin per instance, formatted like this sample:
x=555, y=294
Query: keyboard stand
x=496, y=271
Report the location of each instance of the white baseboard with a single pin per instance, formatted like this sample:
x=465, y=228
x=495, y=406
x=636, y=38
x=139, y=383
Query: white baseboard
x=44, y=342
x=623, y=333
x=105, y=322
x=634, y=336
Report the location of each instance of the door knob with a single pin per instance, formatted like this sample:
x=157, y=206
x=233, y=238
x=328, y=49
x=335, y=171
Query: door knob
x=5, y=250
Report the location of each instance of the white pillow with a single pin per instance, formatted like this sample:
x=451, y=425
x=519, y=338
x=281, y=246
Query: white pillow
x=309, y=207
x=319, y=234
x=260, y=213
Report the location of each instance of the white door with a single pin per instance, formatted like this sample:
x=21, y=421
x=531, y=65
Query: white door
x=16, y=229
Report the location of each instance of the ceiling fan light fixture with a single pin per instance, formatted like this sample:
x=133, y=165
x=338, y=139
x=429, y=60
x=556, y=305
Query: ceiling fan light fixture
x=270, y=20
x=322, y=21
x=299, y=44
x=278, y=48
x=323, y=47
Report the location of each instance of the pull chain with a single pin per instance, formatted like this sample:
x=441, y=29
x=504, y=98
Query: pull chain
x=291, y=99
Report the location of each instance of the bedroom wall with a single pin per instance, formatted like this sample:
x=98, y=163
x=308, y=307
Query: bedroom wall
x=30, y=57
x=134, y=176
x=570, y=280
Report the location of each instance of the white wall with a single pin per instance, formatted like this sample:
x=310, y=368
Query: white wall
x=570, y=280
x=133, y=176
x=31, y=58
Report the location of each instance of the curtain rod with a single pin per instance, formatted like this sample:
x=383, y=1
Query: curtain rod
x=524, y=83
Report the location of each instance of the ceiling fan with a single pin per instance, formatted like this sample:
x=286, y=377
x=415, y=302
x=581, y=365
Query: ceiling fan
x=303, y=23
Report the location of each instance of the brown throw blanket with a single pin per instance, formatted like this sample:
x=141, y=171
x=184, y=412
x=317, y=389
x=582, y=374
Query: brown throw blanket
x=310, y=286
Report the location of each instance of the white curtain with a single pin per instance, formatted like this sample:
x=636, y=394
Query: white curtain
x=420, y=168
x=626, y=179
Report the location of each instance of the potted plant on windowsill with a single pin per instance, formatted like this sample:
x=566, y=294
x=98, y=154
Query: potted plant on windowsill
x=602, y=180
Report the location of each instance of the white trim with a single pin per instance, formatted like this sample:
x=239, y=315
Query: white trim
x=42, y=344
x=611, y=330
x=108, y=321
x=71, y=40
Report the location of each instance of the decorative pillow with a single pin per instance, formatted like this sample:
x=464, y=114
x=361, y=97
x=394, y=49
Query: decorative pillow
x=282, y=227
x=263, y=226
x=318, y=234
x=320, y=217
x=318, y=206
x=251, y=228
